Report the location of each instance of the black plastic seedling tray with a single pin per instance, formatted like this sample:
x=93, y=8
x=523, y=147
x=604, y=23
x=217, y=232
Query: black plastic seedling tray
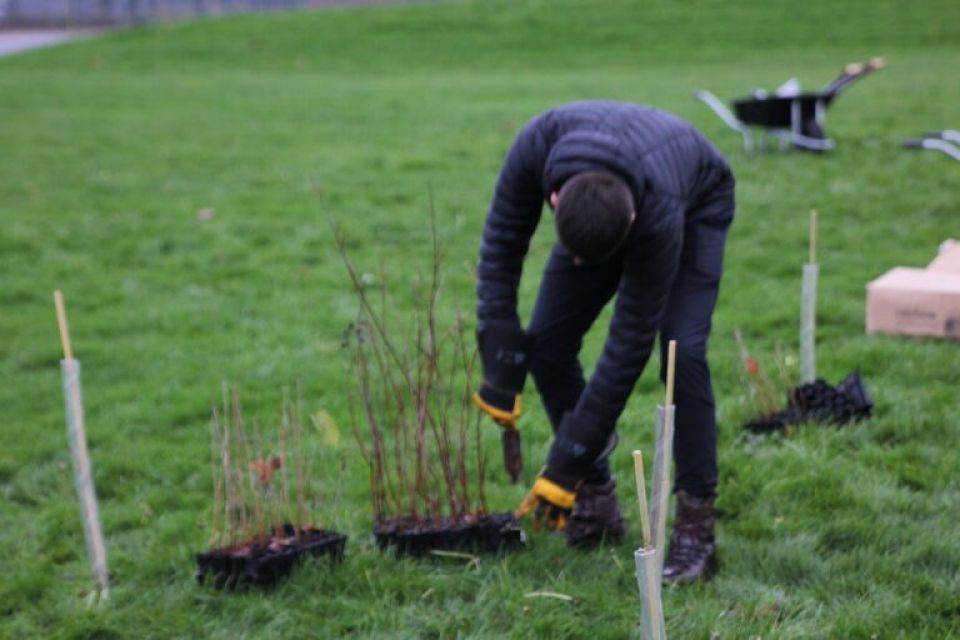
x=485, y=533
x=264, y=563
x=817, y=401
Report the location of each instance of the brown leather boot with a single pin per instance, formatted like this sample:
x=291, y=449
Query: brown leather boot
x=595, y=517
x=693, y=550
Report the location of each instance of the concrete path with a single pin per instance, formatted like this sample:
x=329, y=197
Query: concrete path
x=17, y=41
x=13, y=41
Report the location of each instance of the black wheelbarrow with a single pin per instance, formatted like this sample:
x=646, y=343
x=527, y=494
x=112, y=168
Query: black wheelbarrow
x=947, y=141
x=792, y=116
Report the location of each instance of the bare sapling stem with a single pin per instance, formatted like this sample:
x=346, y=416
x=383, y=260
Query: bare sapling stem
x=761, y=389
x=260, y=500
x=232, y=502
x=462, y=417
x=278, y=463
x=366, y=453
x=245, y=479
x=286, y=453
x=433, y=354
x=381, y=488
x=410, y=395
x=440, y=426
x=360, y=289
x=303, y=518
x=216, y=447
x=808, y=308
x=481, y=465
x=420, y=403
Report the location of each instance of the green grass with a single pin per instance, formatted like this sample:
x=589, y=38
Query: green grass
x=108, y=149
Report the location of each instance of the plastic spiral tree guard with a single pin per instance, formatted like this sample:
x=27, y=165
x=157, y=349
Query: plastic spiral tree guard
x=817, y=401
x=263, y=563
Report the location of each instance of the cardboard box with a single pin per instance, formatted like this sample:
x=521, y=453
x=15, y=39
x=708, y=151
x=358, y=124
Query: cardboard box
x=917, y=302
x=948, y=260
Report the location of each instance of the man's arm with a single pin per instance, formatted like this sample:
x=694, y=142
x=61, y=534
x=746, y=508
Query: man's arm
x=511, y=221
x=503, y=346
x=648, y=276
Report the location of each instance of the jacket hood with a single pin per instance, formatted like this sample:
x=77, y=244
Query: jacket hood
x=580, y=151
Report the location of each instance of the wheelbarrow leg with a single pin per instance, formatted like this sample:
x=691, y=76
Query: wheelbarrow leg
x=728, y=118
x=797, y=134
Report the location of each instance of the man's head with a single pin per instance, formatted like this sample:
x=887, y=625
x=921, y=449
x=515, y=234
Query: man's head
x=594, y=211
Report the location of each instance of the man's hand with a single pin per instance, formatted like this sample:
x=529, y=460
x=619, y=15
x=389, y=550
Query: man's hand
x=551, y=500
x=505, y=354
x=503, y=406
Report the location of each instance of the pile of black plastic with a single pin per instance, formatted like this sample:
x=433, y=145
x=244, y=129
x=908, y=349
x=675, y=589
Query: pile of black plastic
x=817, y=401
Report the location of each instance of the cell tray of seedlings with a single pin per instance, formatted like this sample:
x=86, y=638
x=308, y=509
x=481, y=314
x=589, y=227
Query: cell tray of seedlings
x=262, y=564
x=848, y=402
x=481, y=533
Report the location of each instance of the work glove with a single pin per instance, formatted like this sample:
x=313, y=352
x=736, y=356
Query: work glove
x=503, y=406
x=505, y=354
x=551, y=499
x=580, y=453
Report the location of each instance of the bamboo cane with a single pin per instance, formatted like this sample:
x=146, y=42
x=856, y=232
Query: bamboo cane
x=642, y=499
x=808, y=312
x=671, y=371
x=652, y=627
x=83, y=476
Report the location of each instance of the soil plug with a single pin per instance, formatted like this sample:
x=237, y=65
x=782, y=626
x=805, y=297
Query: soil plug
x=808, y=314
x=82, y=473
x=663, y=456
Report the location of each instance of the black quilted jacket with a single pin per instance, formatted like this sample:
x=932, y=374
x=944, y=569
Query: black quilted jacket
x=668, y=165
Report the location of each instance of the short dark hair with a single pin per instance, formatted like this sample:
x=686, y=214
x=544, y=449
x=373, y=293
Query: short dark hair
x=593, y=214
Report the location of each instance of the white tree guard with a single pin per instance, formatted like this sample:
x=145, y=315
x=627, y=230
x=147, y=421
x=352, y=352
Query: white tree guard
x=808, y=323
x=660, y=490
x=648, y=564
x=83, y=477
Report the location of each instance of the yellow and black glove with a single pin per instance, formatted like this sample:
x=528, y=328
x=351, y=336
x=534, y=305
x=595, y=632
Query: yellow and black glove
x=503, y=406
x=551, y=500
x=505, y=353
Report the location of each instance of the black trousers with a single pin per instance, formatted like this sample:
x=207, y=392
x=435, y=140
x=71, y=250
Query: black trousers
x=572, y=296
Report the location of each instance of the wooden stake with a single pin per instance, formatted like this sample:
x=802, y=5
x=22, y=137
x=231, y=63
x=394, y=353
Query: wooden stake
x=813, y=236
x=642, y=499
x=671, y=370
x=62, y=323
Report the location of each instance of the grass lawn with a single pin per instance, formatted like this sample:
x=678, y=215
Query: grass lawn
x=109, y=149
